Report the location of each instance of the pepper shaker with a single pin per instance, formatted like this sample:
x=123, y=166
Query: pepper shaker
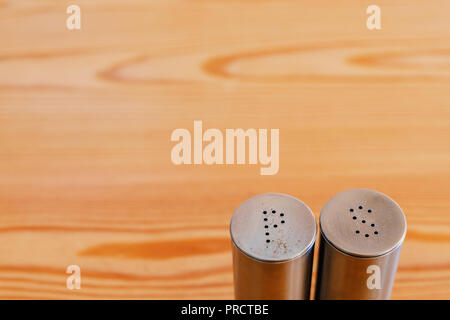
x=273, y=239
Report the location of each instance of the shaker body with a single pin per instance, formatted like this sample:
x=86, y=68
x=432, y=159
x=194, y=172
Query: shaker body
x=263, y=281
x=344, y=277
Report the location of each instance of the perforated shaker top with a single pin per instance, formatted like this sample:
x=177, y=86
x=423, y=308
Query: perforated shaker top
x=363, y=223
x=273, y=227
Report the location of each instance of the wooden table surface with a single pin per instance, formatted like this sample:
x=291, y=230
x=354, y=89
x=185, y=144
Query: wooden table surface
x=86, y=116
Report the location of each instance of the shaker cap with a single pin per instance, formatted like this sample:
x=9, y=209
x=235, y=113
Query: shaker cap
x=363, y=223
x=273, y=227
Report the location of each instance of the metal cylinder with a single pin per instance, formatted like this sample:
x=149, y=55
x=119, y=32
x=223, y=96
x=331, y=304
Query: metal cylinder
x=361, y=236
x=273, y=239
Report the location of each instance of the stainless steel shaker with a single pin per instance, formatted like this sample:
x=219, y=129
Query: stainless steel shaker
x=273, y=239
x=361, y=236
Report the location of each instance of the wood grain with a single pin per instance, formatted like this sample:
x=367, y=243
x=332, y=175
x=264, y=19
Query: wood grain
x=86, y=117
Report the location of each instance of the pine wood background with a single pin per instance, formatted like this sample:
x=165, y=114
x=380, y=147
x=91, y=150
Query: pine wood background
x=86, y=117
